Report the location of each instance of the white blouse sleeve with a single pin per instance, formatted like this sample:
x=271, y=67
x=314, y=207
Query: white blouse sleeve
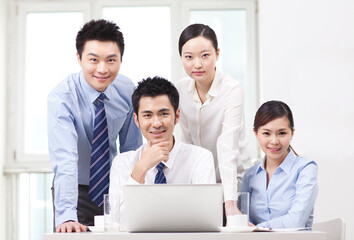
x=229, y=140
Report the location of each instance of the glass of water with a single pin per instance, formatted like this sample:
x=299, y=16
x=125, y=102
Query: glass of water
x=111, y=212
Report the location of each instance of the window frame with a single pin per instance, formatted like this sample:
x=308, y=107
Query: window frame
x=176, y=26
x=16, y=161
x=252, y=92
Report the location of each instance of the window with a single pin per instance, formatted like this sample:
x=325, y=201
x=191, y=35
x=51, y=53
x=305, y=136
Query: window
x=42, y=46
x=45, y=38
x=147, y=48
x=35, y=205
x=44, y=56
x=234, y=25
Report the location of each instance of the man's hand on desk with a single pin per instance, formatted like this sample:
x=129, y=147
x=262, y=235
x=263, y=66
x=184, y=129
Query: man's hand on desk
x=71, y=226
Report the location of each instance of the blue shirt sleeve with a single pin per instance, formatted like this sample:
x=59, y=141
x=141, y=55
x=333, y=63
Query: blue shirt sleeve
x=70, y=127
x=62, y=142
x=245, y=184
x=130, y=135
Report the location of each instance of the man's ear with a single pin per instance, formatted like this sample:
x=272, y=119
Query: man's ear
x=136, y=119
x=78, y=59
x=178, y=112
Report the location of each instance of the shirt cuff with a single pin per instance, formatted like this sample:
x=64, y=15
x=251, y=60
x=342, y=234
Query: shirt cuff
x=68, y=215
x=273, y=223
x=131, y=181
x=230, y=191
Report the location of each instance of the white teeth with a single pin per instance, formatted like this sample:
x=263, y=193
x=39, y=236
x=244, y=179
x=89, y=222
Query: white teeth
x=158, y=132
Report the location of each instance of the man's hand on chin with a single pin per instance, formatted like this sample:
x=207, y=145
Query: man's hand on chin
x=150, y=157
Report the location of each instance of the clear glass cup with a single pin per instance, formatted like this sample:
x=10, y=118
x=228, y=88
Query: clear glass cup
x=238, y=216
x=111, y=212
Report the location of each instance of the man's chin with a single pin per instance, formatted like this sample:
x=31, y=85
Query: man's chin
x=156, y=140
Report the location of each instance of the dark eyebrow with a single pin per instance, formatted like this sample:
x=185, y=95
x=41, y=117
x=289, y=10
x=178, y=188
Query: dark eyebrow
x=109, y=56
x=146, y=111
x=203, y=51
x=161, y=110
x=92, y=54
x=112, y=55
x=164, y=110
x=283, y=129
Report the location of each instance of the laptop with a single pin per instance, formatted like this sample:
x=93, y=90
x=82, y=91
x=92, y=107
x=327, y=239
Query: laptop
x=173, y=208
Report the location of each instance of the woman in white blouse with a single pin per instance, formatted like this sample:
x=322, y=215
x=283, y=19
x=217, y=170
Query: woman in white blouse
x=212, y=108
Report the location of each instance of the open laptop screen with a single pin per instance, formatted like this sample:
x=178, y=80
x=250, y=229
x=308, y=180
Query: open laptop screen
x=173, y=208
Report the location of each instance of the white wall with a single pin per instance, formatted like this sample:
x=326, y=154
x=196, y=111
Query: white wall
x=3, y=15
x=307, y=60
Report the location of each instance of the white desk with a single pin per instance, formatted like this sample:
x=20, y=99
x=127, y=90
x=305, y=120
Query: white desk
x=301, y=235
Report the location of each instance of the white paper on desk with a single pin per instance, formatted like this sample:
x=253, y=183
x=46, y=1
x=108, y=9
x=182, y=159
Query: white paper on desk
x=263, y=229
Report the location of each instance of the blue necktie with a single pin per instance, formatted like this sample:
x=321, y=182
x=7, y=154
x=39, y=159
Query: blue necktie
x=160, y=176
x=100, y=164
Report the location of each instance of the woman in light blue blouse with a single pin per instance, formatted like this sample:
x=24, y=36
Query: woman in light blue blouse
x=283, y=186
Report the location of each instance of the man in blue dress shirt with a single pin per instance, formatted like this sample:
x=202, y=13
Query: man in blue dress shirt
x=72, y=109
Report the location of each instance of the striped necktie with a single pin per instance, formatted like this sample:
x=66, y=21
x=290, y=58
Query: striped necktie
x=100, y=164
x=160, y=176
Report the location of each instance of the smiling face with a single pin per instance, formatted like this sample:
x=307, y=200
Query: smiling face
x=156, y=119
x=199, y=58
x=274, y=139
x=100, y=63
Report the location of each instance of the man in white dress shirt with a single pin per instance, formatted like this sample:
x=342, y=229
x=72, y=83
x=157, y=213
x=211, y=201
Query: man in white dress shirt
x=156, y=113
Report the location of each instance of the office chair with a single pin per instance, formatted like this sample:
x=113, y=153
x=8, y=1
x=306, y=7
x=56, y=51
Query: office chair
x=334, y=228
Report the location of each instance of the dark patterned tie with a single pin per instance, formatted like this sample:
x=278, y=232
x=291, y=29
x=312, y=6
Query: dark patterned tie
x=100, y=164
x=160, y=176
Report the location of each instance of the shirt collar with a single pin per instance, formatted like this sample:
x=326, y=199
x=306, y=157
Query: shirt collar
x=216, y=84
x=288, y=162
x=286, y=165
x=214, y=88
x=261, y=166
x=173, y=154
x=192, y=91
x=91, y=93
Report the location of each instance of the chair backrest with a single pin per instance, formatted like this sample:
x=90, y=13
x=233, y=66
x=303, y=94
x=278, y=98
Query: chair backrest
x=334, y=228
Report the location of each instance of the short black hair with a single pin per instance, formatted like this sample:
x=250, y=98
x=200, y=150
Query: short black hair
x=101, y=30
x=153, y=87
x=197, y=30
